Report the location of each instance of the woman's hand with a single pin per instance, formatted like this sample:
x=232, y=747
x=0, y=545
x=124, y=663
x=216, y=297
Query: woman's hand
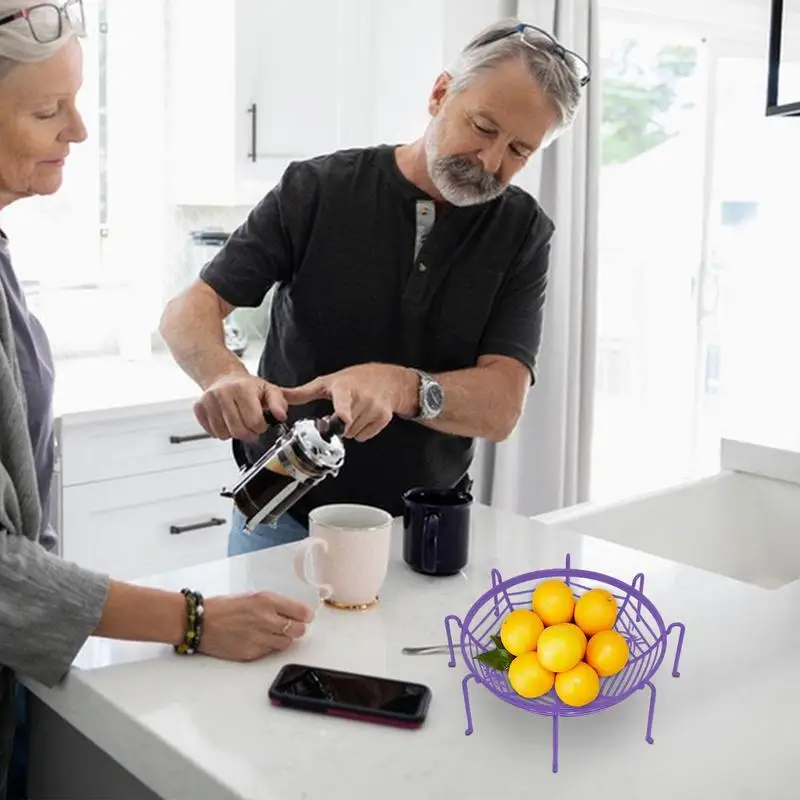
x=247, y=627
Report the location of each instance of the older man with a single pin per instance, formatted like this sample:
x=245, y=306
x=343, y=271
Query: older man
x=410, y=286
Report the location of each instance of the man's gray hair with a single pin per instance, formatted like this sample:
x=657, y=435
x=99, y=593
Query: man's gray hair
x=557, y=71
x=17, y=45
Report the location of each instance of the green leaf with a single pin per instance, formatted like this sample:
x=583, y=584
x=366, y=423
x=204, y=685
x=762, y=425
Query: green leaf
x=498, y=642
x=498, y=659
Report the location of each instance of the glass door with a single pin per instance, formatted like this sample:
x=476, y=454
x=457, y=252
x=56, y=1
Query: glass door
x=749, y=381
x=699, y=274
x=652, y=189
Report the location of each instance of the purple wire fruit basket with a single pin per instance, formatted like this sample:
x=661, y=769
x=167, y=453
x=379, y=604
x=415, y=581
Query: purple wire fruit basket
x=638, y=620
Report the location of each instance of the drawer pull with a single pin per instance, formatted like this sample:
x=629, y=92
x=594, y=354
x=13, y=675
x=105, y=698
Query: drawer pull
x=196, y=526
x=194, y=437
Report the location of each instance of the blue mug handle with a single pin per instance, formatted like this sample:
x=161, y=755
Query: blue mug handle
x=430, y=541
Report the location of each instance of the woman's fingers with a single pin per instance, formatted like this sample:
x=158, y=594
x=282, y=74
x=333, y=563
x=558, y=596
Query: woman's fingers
x=285, y=607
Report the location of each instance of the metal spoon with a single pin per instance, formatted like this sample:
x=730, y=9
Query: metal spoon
x=435, y=649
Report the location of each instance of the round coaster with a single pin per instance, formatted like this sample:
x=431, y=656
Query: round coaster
x=352, y=606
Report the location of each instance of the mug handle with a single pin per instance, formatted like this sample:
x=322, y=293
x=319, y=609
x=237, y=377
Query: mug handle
x=303, y=555
x=430, y=541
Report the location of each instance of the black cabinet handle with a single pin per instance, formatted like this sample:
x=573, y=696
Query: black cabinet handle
x=253, y=112
x=209, y=523
x=193, y=437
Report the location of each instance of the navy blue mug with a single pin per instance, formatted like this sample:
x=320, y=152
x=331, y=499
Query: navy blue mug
x=436, y=525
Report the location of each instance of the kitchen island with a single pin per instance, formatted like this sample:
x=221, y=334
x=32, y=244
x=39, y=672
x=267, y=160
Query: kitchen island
x=152, y=724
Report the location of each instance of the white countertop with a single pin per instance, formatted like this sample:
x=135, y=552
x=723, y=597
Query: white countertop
x=199, y=728
x=105, y=384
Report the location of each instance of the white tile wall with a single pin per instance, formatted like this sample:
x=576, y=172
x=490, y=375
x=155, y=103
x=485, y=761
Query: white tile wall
x=183, y=260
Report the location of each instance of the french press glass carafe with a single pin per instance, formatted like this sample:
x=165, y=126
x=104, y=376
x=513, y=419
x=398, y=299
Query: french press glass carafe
x=302, y=456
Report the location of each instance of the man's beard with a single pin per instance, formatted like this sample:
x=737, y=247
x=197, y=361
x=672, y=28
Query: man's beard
x=457, y=179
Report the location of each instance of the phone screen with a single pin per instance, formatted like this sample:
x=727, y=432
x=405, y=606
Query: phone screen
x=318, y=688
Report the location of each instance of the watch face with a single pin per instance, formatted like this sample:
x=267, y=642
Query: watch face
x=435, y=397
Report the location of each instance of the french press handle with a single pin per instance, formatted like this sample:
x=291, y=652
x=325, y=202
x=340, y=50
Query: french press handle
x=271, y=419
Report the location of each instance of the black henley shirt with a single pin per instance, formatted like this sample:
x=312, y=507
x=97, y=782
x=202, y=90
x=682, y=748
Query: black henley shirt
x=369, y=269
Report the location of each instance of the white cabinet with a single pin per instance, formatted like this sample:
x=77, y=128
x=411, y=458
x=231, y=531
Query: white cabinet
x=255, y=84
x=139, y=491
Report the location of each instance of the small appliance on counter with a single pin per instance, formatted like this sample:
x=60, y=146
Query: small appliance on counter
x=205, y=246
x=302, y=456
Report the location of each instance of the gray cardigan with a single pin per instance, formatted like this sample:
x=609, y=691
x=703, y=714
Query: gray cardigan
x=48, y=607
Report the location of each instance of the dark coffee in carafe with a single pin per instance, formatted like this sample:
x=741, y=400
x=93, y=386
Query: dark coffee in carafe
x=302, y=456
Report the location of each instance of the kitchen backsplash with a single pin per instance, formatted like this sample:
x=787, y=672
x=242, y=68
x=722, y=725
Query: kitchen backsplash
x=185, y=259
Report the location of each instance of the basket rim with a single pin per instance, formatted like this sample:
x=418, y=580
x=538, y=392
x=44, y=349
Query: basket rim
x=565, y=572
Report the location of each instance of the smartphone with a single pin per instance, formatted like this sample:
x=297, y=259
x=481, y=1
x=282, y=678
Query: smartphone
x=348, y=694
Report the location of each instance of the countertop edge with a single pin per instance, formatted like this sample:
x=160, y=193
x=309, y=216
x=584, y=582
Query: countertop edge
x=133, y=411
x=779, y=461
x=154, y=762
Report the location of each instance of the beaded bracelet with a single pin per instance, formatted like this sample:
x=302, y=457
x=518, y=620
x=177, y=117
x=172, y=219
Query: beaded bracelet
x=194, y=623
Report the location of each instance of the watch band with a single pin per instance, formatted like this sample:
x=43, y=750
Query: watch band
x=425, y=412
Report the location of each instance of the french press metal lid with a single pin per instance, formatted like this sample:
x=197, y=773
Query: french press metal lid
x=302, y=456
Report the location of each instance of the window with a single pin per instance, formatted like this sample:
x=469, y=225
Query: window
x=91, y=257
x=57, y=241
x=696, y=275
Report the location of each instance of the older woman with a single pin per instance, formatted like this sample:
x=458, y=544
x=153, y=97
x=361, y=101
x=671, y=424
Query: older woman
x=48, y=607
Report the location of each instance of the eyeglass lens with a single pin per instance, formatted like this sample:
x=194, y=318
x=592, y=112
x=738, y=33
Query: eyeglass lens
x=533, y=36
x=46, y=21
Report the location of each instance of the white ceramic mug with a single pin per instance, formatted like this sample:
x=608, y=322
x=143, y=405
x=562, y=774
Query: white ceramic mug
x=346, y=555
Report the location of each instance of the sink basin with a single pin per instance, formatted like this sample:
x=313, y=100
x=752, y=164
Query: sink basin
x=737, y=524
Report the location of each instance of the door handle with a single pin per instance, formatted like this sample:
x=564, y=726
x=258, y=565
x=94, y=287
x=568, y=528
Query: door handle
x=253, y=112
x=196, y=526
x=193, y=437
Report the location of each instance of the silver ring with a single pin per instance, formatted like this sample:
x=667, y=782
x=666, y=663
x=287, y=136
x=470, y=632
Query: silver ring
x=286, y=627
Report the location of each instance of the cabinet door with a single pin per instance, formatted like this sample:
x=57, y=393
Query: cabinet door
x=291, y=56
x=255, y=84
x=141, y=525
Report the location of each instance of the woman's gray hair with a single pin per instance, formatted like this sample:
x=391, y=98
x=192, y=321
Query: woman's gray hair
x=17, y=45
x=555, y=70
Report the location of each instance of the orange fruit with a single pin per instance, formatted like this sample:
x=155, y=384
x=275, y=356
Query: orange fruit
x=596, y=611
x=577, y=686
x=528, y=678
x=554, y=602
x=561, y=647
x=607, y=652
x=520, y=631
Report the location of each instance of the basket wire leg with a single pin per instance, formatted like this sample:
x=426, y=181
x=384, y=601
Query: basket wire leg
x=447, y=620
x=467, y=708
x=682, y=632
x=638, y=584
x=652, y=710
x=555, y=742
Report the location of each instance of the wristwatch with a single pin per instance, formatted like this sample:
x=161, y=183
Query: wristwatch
x=431, y=397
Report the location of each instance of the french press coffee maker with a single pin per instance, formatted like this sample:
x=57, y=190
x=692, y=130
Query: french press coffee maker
x=303, y=455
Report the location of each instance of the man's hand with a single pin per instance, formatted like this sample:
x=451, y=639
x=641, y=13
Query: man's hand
x=364, y=397
x=233, y=406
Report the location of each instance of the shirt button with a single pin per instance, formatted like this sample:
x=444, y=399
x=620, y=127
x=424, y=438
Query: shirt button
x=422, y=268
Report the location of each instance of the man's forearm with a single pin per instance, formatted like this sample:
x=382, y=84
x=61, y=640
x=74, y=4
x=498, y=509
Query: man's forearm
x=192, y=328
x=480, y=402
